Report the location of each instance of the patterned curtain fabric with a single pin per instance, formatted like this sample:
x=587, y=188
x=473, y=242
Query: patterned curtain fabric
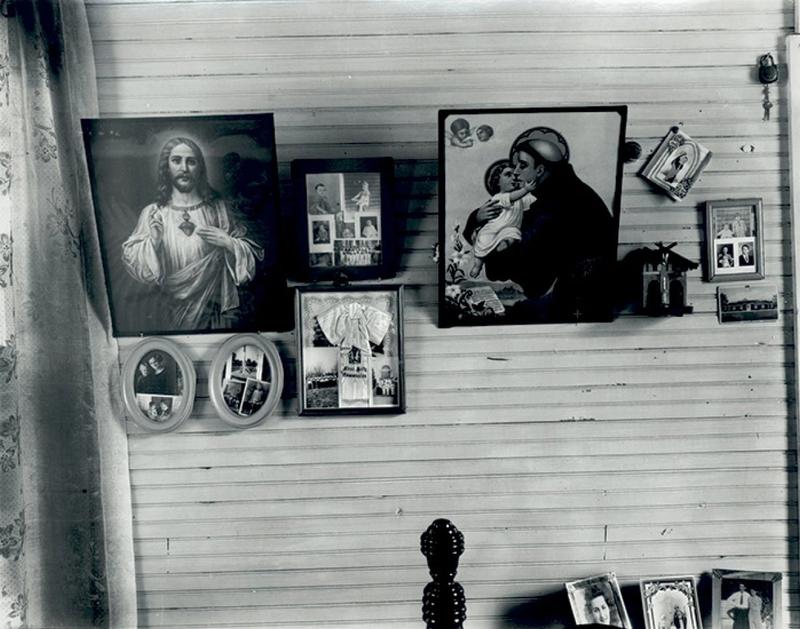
x=66, y=555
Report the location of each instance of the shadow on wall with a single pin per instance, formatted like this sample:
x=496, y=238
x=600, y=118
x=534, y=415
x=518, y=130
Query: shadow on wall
x=552, y=610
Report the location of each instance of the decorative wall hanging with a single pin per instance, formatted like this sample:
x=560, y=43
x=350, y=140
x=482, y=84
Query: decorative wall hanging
x=528, y=217
x=158, y=385
x=664, y=288
x=350, y=350
x=345, y=221
x=734, y=240
x=598, y=600
x=245, y=380
x=670, y=602
x=676, y=164
x=758, y=302
x=746, y=599
x=188, y=223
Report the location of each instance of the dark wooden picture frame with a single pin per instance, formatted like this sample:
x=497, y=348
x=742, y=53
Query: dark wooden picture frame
x=734, y=240
x=548, y=256
x=345, y=224
x=189, y=223
x=350, y=350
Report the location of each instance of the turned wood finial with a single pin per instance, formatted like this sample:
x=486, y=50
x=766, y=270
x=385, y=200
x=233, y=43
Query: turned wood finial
x=443, y=601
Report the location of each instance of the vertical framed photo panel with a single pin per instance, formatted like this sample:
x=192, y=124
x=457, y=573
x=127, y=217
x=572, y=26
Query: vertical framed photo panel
x=529, y=203
x=746, y=599
x=188, y=222
x=344, y=219
x=734, y=240
x=350, y=350
x=670, y=602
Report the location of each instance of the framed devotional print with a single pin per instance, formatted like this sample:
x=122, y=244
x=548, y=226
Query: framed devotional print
x=529, y=203
x=676, y=164
x=734, y=240
x=350, y=350
x=746, y=599
x=158, y=385
x=344, y=218
x=245, y=380
x=188, y=222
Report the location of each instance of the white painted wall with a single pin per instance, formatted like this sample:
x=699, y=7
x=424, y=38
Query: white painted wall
x=643, y=446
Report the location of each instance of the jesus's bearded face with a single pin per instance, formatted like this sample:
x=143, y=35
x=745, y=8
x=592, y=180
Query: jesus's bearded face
x=183, y=165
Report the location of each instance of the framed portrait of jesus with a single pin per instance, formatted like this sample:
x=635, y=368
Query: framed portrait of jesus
x=188, y=223
x=529, y=204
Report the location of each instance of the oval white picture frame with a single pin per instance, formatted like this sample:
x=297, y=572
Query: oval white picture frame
x=134, y=394
x=217, y=379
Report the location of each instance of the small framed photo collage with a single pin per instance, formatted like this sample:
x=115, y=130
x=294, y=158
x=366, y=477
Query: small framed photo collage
x=344, y=222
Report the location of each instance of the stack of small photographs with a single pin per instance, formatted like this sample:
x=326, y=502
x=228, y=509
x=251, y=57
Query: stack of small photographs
x=344, y=219
x=246, y=380
x=158, y=385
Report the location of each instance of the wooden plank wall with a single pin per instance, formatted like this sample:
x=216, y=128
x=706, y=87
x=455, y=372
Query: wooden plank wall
x=646, y=447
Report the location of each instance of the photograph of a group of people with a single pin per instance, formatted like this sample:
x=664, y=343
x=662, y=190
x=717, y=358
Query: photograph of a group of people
x=158, y=385
x=531, y=214
x=246, y=380
x=746, y=604
x=350, y=350
x=734, y=239
x=598, y=600
x=344, y=219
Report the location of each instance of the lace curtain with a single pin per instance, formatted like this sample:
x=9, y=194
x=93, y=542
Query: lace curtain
x=66, y=556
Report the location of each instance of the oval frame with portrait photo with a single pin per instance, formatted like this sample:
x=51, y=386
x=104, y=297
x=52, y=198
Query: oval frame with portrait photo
x=235, y=380
x=158, y=385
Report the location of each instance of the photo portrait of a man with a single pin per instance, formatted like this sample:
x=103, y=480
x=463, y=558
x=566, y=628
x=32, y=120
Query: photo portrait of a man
x=558, y=201
x=187, y=214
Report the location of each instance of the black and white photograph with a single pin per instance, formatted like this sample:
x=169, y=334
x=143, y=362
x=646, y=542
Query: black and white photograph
x=746, y=599
x=158, y=373
x=747, y=302
x=345, y=218
x=735, y=241
x=676, y=164
x=528, y=218
x=245, y=380
x=187, y=215
x=158, y=384
x=598, y=600
x=350, y=350
x=670, y=603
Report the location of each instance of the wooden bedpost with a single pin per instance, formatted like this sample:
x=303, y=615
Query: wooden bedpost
x=443, y=602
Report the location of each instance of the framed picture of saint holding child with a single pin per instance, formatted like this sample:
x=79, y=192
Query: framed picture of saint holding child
x=528, y=214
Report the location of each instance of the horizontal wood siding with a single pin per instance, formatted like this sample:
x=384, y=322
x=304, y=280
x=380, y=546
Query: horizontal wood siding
x=643, y=446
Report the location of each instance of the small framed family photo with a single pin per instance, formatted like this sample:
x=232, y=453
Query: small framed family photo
x=598, y=600
x=188, y=223
x=676, y=164
x=158, y=385
x=350, y=350
x=734, y=240
x=529, y=203
x=245, y=380
x=750, y=600
x=344, y=218
x=747, y=302
x=670, y=602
